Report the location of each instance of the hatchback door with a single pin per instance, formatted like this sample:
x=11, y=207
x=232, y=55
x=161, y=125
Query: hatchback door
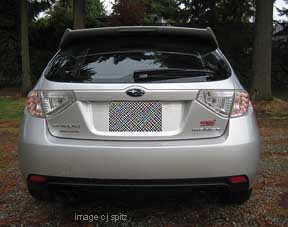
x=138, y=87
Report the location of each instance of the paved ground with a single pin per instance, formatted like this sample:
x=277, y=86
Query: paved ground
x=268, y=205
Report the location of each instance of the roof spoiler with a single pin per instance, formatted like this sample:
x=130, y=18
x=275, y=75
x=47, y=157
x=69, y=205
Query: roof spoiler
x=71, y=36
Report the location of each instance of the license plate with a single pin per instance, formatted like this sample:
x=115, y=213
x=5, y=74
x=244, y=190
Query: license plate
x=135, y=116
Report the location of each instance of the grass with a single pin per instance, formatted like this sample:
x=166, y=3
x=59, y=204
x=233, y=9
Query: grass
x=11, y=108
x=11, y=113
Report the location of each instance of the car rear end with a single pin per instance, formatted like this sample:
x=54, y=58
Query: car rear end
x=139, y=107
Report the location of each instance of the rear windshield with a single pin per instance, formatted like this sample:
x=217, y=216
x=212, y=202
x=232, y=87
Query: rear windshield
x=137, y=60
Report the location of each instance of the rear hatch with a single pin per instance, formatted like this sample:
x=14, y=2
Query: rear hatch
x=138, y=86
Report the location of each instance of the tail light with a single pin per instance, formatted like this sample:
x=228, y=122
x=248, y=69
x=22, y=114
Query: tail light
x=225, y=102
x=48, y=103
x=34, y=105
x=241, y=104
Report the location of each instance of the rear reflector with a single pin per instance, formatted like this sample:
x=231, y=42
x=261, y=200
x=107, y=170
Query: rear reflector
x=237, y=179
x=37, y=178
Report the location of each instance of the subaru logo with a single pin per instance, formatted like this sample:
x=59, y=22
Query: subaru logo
x=135, y=92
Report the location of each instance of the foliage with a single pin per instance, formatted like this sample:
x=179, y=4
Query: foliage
x=128, y=12
x=63, y=10
x=93, y=10
x=184, y=11
x=44, y=34
x=195, y=11
x=10, y=48
x=235, y=10
x=156, y=9
x=9, y=42
x=212, y=11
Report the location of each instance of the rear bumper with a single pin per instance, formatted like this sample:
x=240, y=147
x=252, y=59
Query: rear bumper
x=234, y=153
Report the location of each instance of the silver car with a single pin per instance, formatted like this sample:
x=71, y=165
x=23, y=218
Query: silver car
x=139, y=107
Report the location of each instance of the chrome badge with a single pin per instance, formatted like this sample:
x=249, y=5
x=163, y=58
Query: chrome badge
x=135, y=92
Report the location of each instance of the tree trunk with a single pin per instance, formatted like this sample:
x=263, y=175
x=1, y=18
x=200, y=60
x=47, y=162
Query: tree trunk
x=26, y=76
x=263, y=50
x=78, y=14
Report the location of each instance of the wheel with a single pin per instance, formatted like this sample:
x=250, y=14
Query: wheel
x=239, y=197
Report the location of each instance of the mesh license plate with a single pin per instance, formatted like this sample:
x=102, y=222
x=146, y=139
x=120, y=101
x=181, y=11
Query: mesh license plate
x=135, y=117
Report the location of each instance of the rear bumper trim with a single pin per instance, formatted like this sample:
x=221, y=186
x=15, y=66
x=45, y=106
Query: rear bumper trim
x=55, y=182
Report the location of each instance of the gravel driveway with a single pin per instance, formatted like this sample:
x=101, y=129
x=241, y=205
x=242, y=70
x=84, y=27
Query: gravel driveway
x=268, y=205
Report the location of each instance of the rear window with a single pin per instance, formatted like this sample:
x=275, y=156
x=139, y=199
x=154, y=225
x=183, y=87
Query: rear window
x=137, y=60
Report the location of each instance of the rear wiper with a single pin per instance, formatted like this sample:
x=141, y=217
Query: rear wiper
x=166, y=74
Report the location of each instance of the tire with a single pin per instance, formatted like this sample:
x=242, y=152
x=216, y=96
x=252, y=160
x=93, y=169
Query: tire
x=239, y=197
x=40, y=195
x=62, y=196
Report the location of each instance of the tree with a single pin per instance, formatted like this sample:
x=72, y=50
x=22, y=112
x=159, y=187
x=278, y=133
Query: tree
x=161, y=9
x=261, y=84
x=26, y=75
x=10, y=43
x=11, y=70
x=128, y=12
x=195, y=11
x=236, y=11
x=94, y=8
x=85, y=12
x=78, y=14
x=212, y=11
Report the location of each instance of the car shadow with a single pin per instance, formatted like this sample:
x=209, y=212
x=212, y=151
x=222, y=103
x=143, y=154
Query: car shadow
x=136, y=206
x=140, y=198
